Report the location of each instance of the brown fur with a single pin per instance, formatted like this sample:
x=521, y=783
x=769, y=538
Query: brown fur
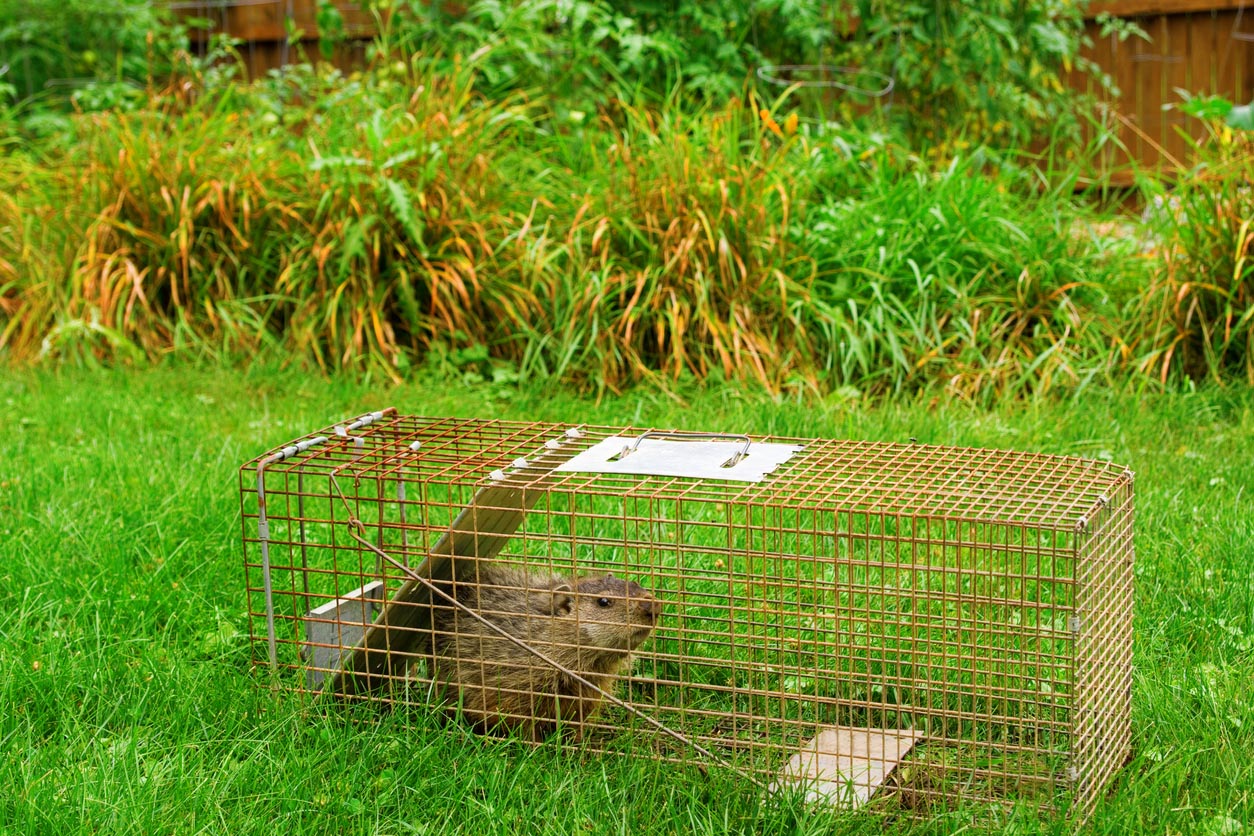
x=498, y=684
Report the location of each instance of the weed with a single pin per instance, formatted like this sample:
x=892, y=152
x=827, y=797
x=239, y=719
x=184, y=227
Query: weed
x=1196, y=318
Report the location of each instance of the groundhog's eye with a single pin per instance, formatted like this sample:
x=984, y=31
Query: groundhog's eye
x=603, y=602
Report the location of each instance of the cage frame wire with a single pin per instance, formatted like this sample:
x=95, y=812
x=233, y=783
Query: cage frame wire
x=883, y=487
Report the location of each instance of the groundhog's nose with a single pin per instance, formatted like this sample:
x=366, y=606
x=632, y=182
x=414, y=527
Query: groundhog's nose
x=651, y=608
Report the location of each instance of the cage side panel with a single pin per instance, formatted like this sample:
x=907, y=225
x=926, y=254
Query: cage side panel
x=958, y=630
x=1104, y=648
x=304, y=553
x=252, y=559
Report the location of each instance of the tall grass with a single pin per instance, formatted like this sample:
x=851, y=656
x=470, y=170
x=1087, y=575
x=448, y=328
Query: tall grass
x=1197, y=315
x=373, y=223
x=958, y=276
x=672, y=256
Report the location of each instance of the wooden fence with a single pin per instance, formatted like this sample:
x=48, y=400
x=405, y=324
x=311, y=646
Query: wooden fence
x=1201, y=46
x=278, y=32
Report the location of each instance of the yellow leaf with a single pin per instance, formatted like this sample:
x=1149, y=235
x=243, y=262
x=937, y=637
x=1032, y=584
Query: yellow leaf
x=771, y=124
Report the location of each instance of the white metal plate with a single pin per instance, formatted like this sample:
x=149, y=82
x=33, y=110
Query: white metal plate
x=689, y=459
x=336, y=627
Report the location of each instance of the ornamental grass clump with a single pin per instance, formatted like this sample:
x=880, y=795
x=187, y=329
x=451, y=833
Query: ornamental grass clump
x=1196, y=318
x=351, y=236
x=961, y=276
x=672, y=256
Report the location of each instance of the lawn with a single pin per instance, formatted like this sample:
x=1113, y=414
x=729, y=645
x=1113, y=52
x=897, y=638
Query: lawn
x=130, y=703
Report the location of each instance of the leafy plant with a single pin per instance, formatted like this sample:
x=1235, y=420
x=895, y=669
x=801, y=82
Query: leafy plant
x=1197, y=317
x=991, y=71
x=572, y=49
x=1220, y=109
x=99, y=54
x=712, y=47
x=587, y=52
x=330, y=28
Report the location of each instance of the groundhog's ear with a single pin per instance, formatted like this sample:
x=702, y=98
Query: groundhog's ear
x=563, y=599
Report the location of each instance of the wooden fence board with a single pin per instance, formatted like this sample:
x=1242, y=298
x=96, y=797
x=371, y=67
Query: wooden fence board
x=1243, y=62
x=1132, y=8
x=265, y=20
x=1176, y=76
x=1202, y=74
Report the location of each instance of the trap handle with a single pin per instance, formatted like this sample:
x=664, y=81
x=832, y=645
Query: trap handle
x=679, y=435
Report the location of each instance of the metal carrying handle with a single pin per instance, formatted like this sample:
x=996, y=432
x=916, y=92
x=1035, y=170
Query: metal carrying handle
x=680, y=435
x=785, y=75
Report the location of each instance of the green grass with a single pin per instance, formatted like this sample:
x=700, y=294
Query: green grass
x=129, y=703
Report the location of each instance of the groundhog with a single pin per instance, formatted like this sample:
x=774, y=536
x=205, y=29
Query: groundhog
x=589, y=625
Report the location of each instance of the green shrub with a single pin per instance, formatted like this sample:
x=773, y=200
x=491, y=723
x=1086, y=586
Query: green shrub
x=98, y=53
x=712, y=47
x=989, y=72
x=587, y=52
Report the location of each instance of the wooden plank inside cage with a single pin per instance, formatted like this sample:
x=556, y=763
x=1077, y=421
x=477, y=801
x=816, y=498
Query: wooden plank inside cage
x=845, y=767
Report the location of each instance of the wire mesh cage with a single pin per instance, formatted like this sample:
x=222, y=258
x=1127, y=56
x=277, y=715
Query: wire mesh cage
x=924, y=624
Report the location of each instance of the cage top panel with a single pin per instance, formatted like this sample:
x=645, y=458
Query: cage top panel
x=962, y=483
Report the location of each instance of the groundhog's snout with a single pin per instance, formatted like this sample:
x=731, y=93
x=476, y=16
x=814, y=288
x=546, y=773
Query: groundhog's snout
x=650, y=608
x=646, y=604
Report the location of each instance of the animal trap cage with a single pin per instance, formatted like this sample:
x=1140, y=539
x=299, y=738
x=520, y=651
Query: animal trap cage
x=942, y=624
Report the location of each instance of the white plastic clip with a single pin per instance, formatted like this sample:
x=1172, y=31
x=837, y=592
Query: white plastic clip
x=497, y=475
x=413, y=448
x=341, y=430
x=574, y=432
x=520, y=462
x=553, y=443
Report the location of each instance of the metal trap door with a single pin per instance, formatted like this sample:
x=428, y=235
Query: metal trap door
x=318, y=515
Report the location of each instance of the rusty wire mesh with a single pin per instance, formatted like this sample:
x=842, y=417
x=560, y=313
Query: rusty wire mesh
x=978, y=600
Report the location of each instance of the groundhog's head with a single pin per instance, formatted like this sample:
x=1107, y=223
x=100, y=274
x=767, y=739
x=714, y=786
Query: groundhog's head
x=612, y=613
